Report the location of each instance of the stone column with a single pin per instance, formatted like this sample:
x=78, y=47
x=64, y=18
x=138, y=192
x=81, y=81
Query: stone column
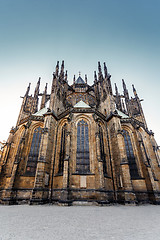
x=100, y=162
x=65, y=194
x=40, y=193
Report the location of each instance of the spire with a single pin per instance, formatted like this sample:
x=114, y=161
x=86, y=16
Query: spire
x=123, y=106
x=134, y=91
x=62, y=71
x=86, y=78
x=100, y=75
x=105, y=71
x=66, y=76
x=53, y=82
x=28, y=89
x=57, y=69
x=124, y=85
x=125, y=90
x=74, y=79
x=43, y=101
x=116, y=89
x=36, y=92
x=95, y=76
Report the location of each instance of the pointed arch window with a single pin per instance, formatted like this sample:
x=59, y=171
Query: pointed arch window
x=82, y=156
x=130, y=156
x=102, y=152
x=62, y=150
x=34, y=152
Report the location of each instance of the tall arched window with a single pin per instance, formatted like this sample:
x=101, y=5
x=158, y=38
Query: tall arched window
x=102, y=152
x=130, y=156
x=82, y=158
x=34, y=152
x=62, y=150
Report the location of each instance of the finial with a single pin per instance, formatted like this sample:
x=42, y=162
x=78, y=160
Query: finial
x=57, y=69
x=79, y=73
x=86, y=78
x=105, y=70
x=28, y=89
x=123, y=106
x=66, y=76
x=46, y=86
x=124, y=85
x=125, y=89
x=36, y=92
x=134, y=90
x=95, y=76
x=116, y=89
x=74, y=79
x=100, y=75
x=99, y=67
x=61, y=76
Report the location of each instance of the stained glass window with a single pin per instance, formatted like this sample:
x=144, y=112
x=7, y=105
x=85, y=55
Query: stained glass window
x=62, y=150
x=34, y=152
x=130, y=156
x=82, y=156
x=102, y=152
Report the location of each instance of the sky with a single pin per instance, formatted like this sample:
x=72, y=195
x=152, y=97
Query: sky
x=35, y=34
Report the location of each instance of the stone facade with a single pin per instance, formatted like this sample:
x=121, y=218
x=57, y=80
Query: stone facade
x=89, y=146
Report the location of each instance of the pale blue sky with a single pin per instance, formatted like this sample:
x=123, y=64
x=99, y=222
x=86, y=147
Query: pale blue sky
x=34, y=34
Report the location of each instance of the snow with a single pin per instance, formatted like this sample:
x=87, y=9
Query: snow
x=45, y=222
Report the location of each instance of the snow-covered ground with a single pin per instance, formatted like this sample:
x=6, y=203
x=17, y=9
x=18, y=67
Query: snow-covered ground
x=45, y=222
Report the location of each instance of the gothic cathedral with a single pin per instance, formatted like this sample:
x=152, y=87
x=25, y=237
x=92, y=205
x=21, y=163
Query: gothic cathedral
x=82, y=144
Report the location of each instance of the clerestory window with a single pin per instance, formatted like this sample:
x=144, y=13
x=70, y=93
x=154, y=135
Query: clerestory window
x=82, y=155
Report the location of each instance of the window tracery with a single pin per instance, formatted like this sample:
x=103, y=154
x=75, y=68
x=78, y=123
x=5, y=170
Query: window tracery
x=82, y=156
x=130, y=156
x=34, y=152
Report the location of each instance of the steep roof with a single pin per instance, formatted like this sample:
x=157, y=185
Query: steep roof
x=40, y=112
x=123, y=115
x=80, y=80
x=81, y=104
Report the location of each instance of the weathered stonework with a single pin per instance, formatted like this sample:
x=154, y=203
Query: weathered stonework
x=89, y=147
